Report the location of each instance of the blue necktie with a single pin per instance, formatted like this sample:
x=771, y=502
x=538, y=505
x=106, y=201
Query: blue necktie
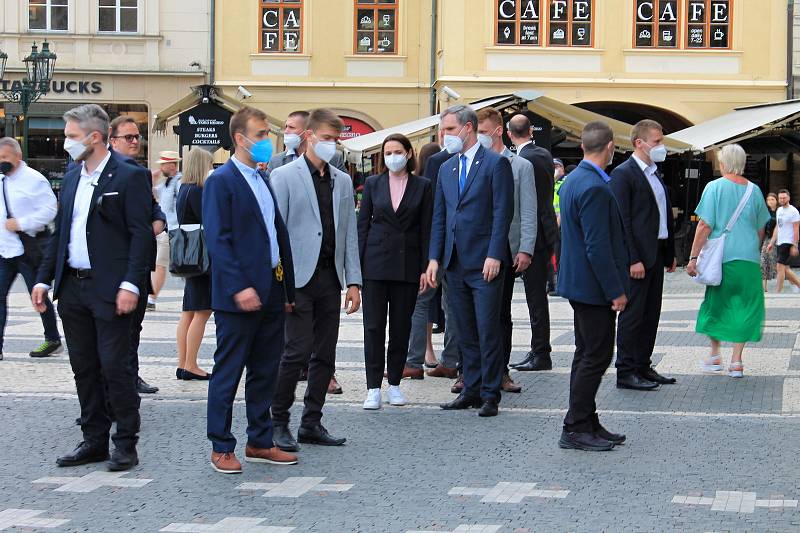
x=462, y=178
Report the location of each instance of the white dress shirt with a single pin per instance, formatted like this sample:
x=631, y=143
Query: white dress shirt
x=32, y=204
x=470, y=154
x=659, y=193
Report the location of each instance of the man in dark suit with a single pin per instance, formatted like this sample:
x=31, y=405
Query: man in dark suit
x=472, y=216
x=97, y=262
x=535, y=277
x=594, y=278
x=125, y=142
x=649, y=230
x=252, y=287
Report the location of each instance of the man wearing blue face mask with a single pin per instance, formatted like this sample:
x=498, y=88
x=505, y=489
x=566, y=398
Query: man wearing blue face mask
x=295, y=141
x=649, y=229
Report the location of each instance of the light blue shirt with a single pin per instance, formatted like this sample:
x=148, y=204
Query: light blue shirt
x=265, y=203
x=600, y=171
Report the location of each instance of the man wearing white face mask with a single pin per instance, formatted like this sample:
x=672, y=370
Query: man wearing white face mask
x=294, y=139
x=647, y=215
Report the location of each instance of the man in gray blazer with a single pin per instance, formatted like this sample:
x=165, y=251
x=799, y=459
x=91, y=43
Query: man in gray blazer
x=316, y=201
x=294, y=139
x=522, y=235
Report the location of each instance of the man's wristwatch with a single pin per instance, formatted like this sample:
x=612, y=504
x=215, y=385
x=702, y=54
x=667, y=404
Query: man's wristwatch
x=693, y=258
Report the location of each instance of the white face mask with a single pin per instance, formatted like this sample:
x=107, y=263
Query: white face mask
x=454, y=143
x=658, y=154
x=75, y=149
x=325, y=150
x=486, y=140
x=292, y=141
x=395, y=162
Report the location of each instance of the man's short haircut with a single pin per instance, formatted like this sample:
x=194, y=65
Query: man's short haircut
x=463, y=114
x=492, y=114
x=240, y=119
x=119, y=121
x=12, y=143
x=520, y=126
x=302, y=115
x=90, y=118
x=596, y=136
x=325, y=117
x=643, y=128
x=784, y=191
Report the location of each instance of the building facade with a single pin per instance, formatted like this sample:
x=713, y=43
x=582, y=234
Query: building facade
x=133, y=57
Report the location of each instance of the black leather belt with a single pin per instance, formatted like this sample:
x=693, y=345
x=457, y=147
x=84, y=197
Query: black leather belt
x=80, y=273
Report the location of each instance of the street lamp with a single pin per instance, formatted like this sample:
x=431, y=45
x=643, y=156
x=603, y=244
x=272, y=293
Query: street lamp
x=39, y=67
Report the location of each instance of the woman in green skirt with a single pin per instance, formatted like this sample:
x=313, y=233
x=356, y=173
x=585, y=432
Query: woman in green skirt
x=733, y=311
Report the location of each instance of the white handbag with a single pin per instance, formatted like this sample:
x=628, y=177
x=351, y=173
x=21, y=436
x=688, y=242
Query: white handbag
x=709, y=262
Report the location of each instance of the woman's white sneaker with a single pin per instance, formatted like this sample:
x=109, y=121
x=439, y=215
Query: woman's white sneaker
x=395, y=396
x=711, y=364
x=373, y=400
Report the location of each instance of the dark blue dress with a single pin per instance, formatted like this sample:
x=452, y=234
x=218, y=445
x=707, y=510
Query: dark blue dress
x=189, y=208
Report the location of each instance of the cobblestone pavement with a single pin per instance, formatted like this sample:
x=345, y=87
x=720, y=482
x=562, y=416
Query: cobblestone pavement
x=707, y=454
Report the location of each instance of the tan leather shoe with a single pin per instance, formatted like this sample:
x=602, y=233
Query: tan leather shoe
x=443, y=372
x=226, y=463
x=508, y=385
x=458, y=386
x=334, y=387
x=273, y=456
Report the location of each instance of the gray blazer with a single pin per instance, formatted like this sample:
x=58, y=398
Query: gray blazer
x=522, y=235
x=297, y=202
x=280, y=159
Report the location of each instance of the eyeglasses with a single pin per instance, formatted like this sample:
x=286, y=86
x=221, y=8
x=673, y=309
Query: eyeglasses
x=130, y=139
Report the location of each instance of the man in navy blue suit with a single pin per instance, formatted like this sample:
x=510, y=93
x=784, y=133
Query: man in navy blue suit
x=594, y=278
x=252, y=287
x=472, y=215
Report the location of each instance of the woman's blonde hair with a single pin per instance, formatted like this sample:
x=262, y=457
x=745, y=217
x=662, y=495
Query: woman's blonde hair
x=196, y=166
x=732, y=159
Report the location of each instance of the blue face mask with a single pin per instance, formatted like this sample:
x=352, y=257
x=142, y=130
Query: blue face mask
x=261, y=151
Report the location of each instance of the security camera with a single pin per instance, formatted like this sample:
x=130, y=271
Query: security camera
x=451, y=93
x=243, y=93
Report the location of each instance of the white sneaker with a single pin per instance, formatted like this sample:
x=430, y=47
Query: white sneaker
x=711, y=364
x=373, y=400
x=395, y=397
x=795, y=289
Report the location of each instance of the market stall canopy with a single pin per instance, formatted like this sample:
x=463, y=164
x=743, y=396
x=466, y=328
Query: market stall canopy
x=742, y=123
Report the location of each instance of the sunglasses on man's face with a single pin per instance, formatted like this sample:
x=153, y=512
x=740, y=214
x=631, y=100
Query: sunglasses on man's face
x=130, y=139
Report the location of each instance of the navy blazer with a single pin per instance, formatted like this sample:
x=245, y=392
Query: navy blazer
x=237, y=240
x=640, y=215
x=476, y=223
x=118, y=231
x=432, y=166
x=594, y=258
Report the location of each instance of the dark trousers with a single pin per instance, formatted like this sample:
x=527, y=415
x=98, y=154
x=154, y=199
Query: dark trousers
x=638, y=324
x=137, y=318
x=509, y=277
x=401, y=298
x=535, y=279
x=311, y=334
x=99, y=352
x=475, y=306
x=9, y=268
x=251, y=341
x=594, y=348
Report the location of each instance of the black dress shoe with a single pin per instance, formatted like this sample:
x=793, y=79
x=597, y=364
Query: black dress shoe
x=528, y=359
x=282, y=438
x=122, y=459
x=603, y=433
x=462, y=402
x=651, y=375
x=536, y=363
x=634, y=382
x=84, y=454
x=318, y=435
x=587, y=442
x=143, y=388
x=178, y=373
x=489, y=408
x=191, y=376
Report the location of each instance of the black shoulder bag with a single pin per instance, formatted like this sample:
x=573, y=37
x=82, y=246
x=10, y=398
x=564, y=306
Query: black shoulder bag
x=188, y=255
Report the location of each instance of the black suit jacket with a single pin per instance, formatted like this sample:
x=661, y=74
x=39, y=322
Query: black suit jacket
x=640, y=215
x=544, y=174
x=433, y=165
x=393, y=246
x=118, y=231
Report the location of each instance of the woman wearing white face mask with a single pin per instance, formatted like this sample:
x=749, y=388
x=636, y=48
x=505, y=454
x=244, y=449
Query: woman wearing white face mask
x=393, y=233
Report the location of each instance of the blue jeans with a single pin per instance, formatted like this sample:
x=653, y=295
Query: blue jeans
x=9, y=268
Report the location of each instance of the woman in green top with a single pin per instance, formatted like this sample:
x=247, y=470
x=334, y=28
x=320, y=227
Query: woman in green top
x=734, y=310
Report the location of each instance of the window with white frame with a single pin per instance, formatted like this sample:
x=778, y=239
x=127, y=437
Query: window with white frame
x=48, y=15
x=119, y=16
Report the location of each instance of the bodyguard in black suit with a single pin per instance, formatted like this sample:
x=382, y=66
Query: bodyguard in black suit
x=649, y=229
x=97, y=263
x=393, y=236
x=535, y=277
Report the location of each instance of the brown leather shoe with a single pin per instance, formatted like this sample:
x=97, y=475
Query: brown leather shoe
x=508, y=385
x=413, y=373
x=334, y=387
x=458, y=386
x=273, y=456
x=226, y=463
x=443, y=372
